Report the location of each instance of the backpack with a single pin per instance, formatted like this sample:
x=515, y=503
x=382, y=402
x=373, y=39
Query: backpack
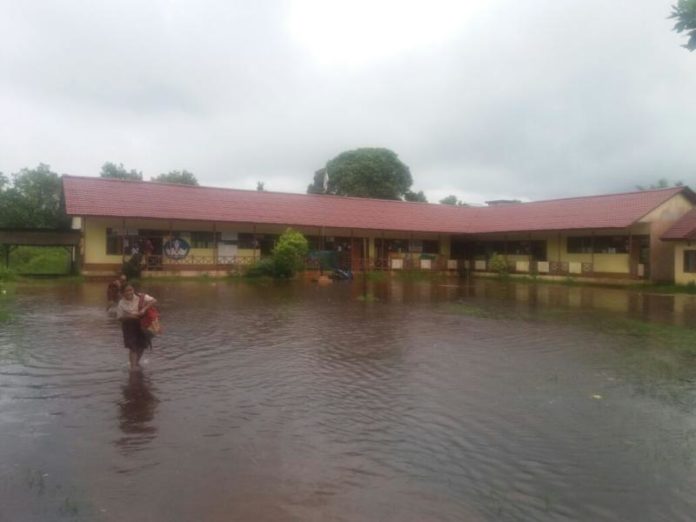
x=150, y=322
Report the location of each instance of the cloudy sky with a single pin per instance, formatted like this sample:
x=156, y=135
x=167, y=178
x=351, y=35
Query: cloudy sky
x=484, y=99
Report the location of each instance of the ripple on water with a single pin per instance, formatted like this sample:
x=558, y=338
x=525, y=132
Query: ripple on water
x=425, y=405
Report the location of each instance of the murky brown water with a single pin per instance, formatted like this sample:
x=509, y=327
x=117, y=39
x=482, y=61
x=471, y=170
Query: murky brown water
x=432, y=402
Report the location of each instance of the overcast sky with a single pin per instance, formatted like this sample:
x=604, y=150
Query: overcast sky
x=485, y=99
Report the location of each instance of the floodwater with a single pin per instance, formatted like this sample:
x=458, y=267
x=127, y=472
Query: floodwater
x=424, y=401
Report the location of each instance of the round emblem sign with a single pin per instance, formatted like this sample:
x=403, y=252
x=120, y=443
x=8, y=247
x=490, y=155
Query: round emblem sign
x=176, y=248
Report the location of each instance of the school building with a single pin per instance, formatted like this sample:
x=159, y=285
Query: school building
x=646, y=235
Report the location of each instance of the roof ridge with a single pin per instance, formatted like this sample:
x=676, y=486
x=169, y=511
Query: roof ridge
x=674, y=190
x=610, y=195
x=358, y=198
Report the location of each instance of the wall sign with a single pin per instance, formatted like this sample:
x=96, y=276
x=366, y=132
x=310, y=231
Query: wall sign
x=176, y=248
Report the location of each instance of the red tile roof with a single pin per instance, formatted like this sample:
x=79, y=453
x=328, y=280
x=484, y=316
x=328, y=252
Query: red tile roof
x=85, y=196
x=684, y=229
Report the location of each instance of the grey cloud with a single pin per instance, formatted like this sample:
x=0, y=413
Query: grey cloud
x=532, y=99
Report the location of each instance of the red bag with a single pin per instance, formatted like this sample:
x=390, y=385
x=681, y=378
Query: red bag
x=149, y=322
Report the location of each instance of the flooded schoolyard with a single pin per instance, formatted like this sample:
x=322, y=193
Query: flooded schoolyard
x=409, y=401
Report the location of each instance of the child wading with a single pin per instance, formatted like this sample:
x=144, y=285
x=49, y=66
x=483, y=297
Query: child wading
x=130, y=312
x=113, y=294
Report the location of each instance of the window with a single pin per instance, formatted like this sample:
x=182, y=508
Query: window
x=519, y=248
x=114, y=242
x=391, y=245
x=611, y=245
x=598, y=245
x=431, y=246
x=247, y=241
x=203, y=239
x=118, y=244
x=690, y=261
x=580, y=245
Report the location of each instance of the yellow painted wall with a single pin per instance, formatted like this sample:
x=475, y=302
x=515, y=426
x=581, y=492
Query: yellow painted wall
x=199, y=252
x=445, y=246
x=553, y=248
x=95, y=237
x=512, y=258
x=670, y=210
x=607, y=263
x=681, y=277
x=95, y=240
x=611, y=263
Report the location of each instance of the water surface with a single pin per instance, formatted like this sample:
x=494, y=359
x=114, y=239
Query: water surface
x=442, y=401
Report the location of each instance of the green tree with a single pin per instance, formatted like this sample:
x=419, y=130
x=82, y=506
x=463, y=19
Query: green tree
x=182, y=177
x=111, y=170
x=33, y=199
x=289, y=253
x=449, y=200
x=366, y=173
x=417, y=197
x=685, y=14
x=318, y=185
x=452, y=200
x=498, y=264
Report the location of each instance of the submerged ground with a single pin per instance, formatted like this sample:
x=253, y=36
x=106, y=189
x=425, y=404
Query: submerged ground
x=409, y=401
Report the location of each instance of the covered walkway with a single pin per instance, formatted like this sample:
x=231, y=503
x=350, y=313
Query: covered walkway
x=11, y=238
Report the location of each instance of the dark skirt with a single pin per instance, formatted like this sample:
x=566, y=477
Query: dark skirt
x=133, y=336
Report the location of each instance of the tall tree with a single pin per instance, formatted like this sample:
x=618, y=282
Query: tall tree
x=33, y=199
x=366, y=173
x=260, y=186
x=685, y=14
x=111, y=170
x=182, y=177
x=319, y=183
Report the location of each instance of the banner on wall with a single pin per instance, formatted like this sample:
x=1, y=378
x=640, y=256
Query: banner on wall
x=176, y=248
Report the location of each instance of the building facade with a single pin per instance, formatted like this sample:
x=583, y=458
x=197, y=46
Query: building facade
x=192, y=230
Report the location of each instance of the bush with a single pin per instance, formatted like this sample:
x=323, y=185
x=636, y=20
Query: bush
x=7, y=274
x=40, y=260
x=289, y=253
x=262, y=268
x=498, y=264
x=288, y=257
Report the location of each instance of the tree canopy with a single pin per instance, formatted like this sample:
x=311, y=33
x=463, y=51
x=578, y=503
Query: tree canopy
x=366, y=173
x=182, y=177
x=32, y=199
x=417, y=197
x=449, y=200
x=685, y=14
x=111, y=170
x=453, y=200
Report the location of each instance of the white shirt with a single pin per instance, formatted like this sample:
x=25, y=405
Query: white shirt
x=127, y=308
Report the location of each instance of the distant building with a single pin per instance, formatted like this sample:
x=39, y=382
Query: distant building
x=502, y=202
x=635, y=235
x=683, y=236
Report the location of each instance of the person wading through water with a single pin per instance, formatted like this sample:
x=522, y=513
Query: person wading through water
x=113, y=294
x=129, y=312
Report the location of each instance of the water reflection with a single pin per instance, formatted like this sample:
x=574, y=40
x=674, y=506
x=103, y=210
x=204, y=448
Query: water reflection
x=136, y=413
x=440, y=401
